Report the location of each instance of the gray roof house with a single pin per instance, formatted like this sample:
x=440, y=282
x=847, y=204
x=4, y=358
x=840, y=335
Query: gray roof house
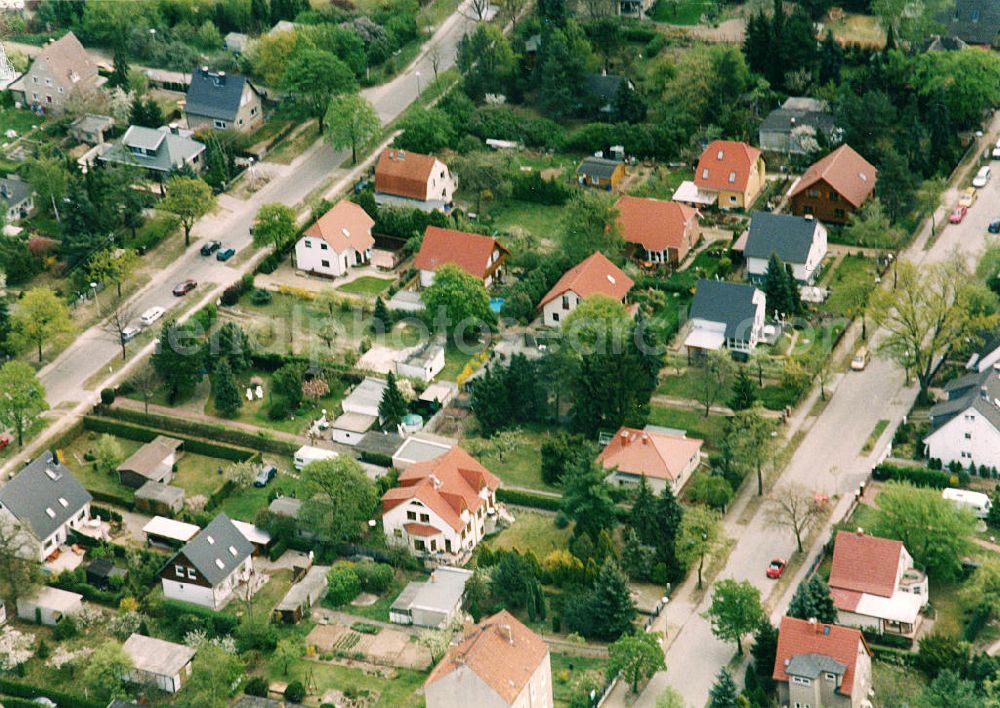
x=725, y=315
x=47, y=501
x=158, y=498
x=782, y=130
x=974, y=22
x=798, y=241
x=433, y=603
x=91, y=128
x=211, y=567
x=154, y=462
x=156, y=662
x=158, y=150
x=966, y=426
x=17, y=198
x=222, y=101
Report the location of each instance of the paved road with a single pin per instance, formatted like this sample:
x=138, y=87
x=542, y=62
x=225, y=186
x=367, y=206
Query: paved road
x=828, y=460
x=95, y=348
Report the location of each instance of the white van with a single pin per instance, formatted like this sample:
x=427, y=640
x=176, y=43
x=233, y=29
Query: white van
x=976, y=502
x=151, y=315
x=306, y=454
x=982, y=177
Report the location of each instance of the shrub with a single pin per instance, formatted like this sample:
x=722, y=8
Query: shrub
x=918, y=476
x=295, y=692
x=261, y=297
x=66, y=629
x=261, y=636
x=277, y=550
x=279, y=409
x=344, y=584
x=366, y=628
x=107, y=396
x=256, y=686
x=231, y=295
x=374, y=577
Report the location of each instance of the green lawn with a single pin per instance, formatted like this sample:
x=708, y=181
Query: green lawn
x=572, y=675
x=875, y=435
x=662, y=183
x=850, y=275
x=379, y=610
x=944, y=599
x=538, y=220
x=366, y=285
x=532, y=531
x=19, y=120
x=245, y=504
x=266, y=598
x=197, y=474
x=522, y=467
x=687, y=385
x=681, y=12
x=398, y=691
x=291, y=147
x=711, y=429
x=455, y=360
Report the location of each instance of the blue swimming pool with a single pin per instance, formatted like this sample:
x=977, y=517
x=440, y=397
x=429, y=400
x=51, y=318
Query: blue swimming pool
x=496, y=304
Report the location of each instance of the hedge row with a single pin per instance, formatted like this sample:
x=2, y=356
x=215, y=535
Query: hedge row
x=65, y=700
x=889, y=641
x=897, y=657
x=116, y=499
x=272, y=361
x=227, y=488
x=535, y=501
x=105, y=513
x=376, y=458
x=172, y=611
x=199, y=438
x=91, y=593
x=918, y=476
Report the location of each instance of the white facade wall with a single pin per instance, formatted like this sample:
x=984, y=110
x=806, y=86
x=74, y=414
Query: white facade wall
x=214, y=598
x=315, y=255
x=556, y=311
x=394, y=520
x=968, y=438
x=804, y=272
x=59, y=536
x=427, y=372
x=463, y=687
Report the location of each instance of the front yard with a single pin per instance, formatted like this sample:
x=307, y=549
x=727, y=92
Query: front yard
x=711, y=429
x=532, y=531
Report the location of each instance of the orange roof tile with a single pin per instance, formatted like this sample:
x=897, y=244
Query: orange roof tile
x=421, y=530
x=501, y=651
x=595, y=275
x=726, y=165
x=654, y=224
x=846, y=171
x=403, y=173
x=345, y=225
x=865, y=563
x=797, y=637
x=470, y=252
x=649, y=452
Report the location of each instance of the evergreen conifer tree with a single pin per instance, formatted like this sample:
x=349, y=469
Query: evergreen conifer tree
x=393, y=406
x=724, y=693
x=812, y=599
x=744, y=391
x=225, y=392
x=611, y=605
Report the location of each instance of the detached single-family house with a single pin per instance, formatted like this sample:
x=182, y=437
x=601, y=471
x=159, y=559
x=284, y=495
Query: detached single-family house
x=341, y=239
x=601, y=172
x=723, y=314
x=153, y=462
x=965, y=428
x=159, y=151
x=664, y=457
x=658, y=231
x=985, y=355
x=602, y=90
x=498, y=663
x=480, y=256
x=46, y=501
x=822, y=665
x=211, y=567
x=834, y=187
x=729, y=174
x=799, y=242
x=874, y=584
x=17, y=198
x=92, y=129
x=974, y=22
x=409, y=179
x=432, y=603
x=441, y=505
x=48, y=605
x=795, y=128
x=60, y=69
x=158, y=663
x=594, y=275
x=222, y=101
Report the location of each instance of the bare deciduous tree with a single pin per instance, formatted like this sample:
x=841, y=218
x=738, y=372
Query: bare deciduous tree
x=480, y=8
x=146, y=382
x=793, y=507
x=434, y=53
x=18, y=575
x=118, y=322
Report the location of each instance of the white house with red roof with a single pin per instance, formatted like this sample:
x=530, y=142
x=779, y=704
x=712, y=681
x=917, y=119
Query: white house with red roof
x=664, y=457
x=441, y=505
x=594, y=275
x=822, y=665
x=480, y=256
x=498, y=663
x=659, y=231
x=404, y=178
x=341, y=239
x=730, y=175
x=874, y=584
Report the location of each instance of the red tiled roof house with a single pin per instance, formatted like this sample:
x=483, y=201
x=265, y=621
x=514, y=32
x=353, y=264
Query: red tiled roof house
x=874, y=584
x=404, y=178
x=595, y=275
x=729, y=174
x=663, y=457
x=821, y=665
x=498, y=663
x=659, y=231
x=339, y=240
x=834, y=187
x=441, y=505
x=480, y=256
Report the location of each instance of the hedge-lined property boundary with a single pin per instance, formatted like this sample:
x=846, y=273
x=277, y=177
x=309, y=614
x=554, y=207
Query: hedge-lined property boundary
x=535, y=501
x=918, y=476
x=25, y=690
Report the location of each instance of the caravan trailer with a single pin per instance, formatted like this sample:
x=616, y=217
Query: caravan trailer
x=306, y=454
x=976, y=502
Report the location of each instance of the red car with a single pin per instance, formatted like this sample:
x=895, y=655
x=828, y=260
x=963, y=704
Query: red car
x=776, y=568
x=184, y=288
x=958, y=214
x=4, y=441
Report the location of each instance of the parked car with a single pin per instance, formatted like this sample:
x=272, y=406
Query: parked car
x=957, y=214
x=982, y=177
x=776, y=567
x=968, y=197
x=265, y=475
x=860, y=360
x=151, y=315
x=994, y=227
x=130, y=333
x=183, y=288
x=4, y=441
x=996, y=150
x=211, y=247
x=225, y=254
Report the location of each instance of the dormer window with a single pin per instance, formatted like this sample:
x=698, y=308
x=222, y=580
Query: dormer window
x=220, y=564
x=211, y=541
x=704, y=173
x=719, y=155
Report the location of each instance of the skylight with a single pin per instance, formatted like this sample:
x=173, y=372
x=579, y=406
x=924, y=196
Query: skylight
x=210, y=540
x=52, y=514
x=64, y=503
x=232, y=550
x=704, y=173
x=732, y=177
x=222, y=566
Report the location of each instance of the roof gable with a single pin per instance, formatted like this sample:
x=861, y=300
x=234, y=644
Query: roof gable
x=345, y=225
x=974, y=21
x=790, y=237
x=849, y=174
x=731, y=304
x=654, y=224
x=809, y=640
x=726, y=165
x=470, y=252
x=215, y=94
x=404, y=173
x=44, y=495
x=68, y=61
x=217, y=550
x=865, y=563
x=649, y=452
x=595, y=275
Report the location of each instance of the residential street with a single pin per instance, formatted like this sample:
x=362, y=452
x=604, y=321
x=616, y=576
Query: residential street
x=828, y=460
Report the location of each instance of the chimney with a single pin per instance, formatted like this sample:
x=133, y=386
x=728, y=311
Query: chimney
x=506, y=633
x=859, y=532
x=204, y=71
x=174, y=130
x=814, y=624
x=792, y=120
x=220, y=79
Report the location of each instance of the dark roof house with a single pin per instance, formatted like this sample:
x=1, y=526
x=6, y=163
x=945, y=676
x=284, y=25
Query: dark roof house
x=600, y=167
x=159, y=150
x=790, y=237
x=729, y=303
x=221, y=100
x=778, y=131
x=974, y=22
x=209, y=552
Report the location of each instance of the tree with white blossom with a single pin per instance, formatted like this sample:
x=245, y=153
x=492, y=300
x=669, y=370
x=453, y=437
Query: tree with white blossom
x=15, y=648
